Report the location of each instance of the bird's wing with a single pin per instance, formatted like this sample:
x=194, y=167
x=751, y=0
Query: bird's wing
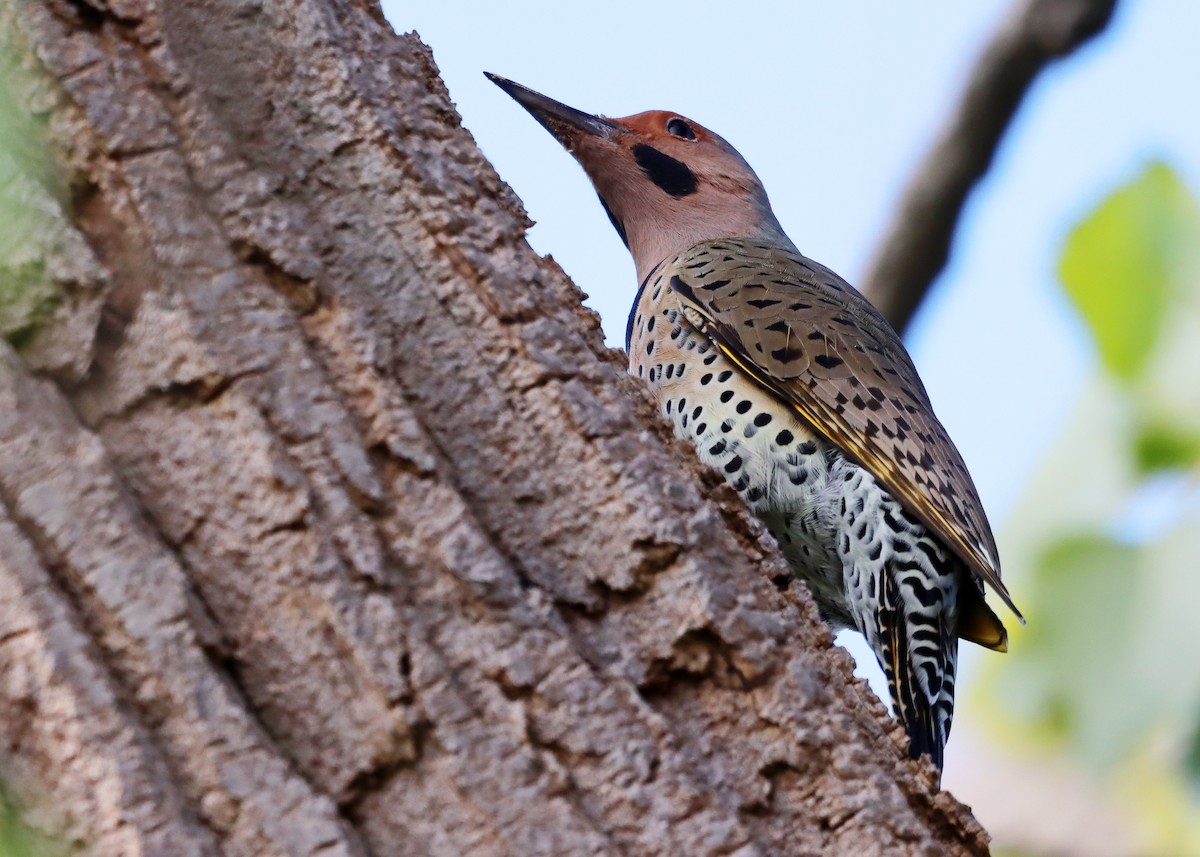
x=803, y=333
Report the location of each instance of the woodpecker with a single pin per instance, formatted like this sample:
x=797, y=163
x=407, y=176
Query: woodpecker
x=801, y=395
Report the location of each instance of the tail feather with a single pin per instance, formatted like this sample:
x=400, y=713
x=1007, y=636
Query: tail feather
x=902, y=590
x=925, y=718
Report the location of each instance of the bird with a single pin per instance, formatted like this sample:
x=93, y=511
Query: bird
x=801, y=395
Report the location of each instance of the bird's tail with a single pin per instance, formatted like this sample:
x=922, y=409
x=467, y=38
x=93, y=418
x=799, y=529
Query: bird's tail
x=902, y=589
x=918, y=650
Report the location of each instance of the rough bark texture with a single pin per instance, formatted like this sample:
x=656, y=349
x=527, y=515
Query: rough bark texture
x=916, y=245
x=329, y=526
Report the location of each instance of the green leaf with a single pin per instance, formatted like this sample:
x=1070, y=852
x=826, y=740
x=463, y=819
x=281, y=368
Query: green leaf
x=1159, y=446
x=1122, y=265
x=1068, y=680
x=1191, y=760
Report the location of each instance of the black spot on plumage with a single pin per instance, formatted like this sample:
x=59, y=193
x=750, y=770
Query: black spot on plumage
x=725, y=376
x=927, y=597
x=650, y=324
x=672, y=176
x=714, y=285
x=787, y=355
x=784, y=438
x=734, y=464
x=828, y=361
x=754, y=494
x=743, y=406
x=762, y=419
x=701, y=428
x=727, y=426
x=705, y=378
x=726, y=395
x=717, y=448
x=926, y=634
x=670, y=370
x=778, y=327
x=763, y=303
x=710, y=358
x=807, y=448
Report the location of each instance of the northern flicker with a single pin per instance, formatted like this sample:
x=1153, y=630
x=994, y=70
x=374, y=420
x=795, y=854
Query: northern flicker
x=794, y=388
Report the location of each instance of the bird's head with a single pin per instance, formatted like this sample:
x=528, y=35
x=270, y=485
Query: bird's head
x=666, y=182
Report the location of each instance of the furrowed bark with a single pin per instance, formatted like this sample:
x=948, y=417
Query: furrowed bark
x=329, y=526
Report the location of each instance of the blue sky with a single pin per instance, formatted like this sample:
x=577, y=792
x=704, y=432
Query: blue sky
x=833, y=105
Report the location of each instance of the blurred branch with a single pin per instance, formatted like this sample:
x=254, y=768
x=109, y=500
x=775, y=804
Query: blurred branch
x=917, y=243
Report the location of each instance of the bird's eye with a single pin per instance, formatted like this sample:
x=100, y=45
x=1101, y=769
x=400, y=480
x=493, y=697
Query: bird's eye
x=678, y=128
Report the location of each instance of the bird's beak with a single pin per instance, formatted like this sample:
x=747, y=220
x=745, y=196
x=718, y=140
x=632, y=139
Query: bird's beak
x=565, y=123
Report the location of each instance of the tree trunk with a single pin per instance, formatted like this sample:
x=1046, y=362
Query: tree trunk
x=328, y=525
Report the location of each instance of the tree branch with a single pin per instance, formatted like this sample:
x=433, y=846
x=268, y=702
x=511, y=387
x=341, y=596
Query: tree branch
x=917, y=243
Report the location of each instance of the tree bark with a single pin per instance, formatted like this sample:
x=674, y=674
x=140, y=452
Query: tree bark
x=328, y=525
